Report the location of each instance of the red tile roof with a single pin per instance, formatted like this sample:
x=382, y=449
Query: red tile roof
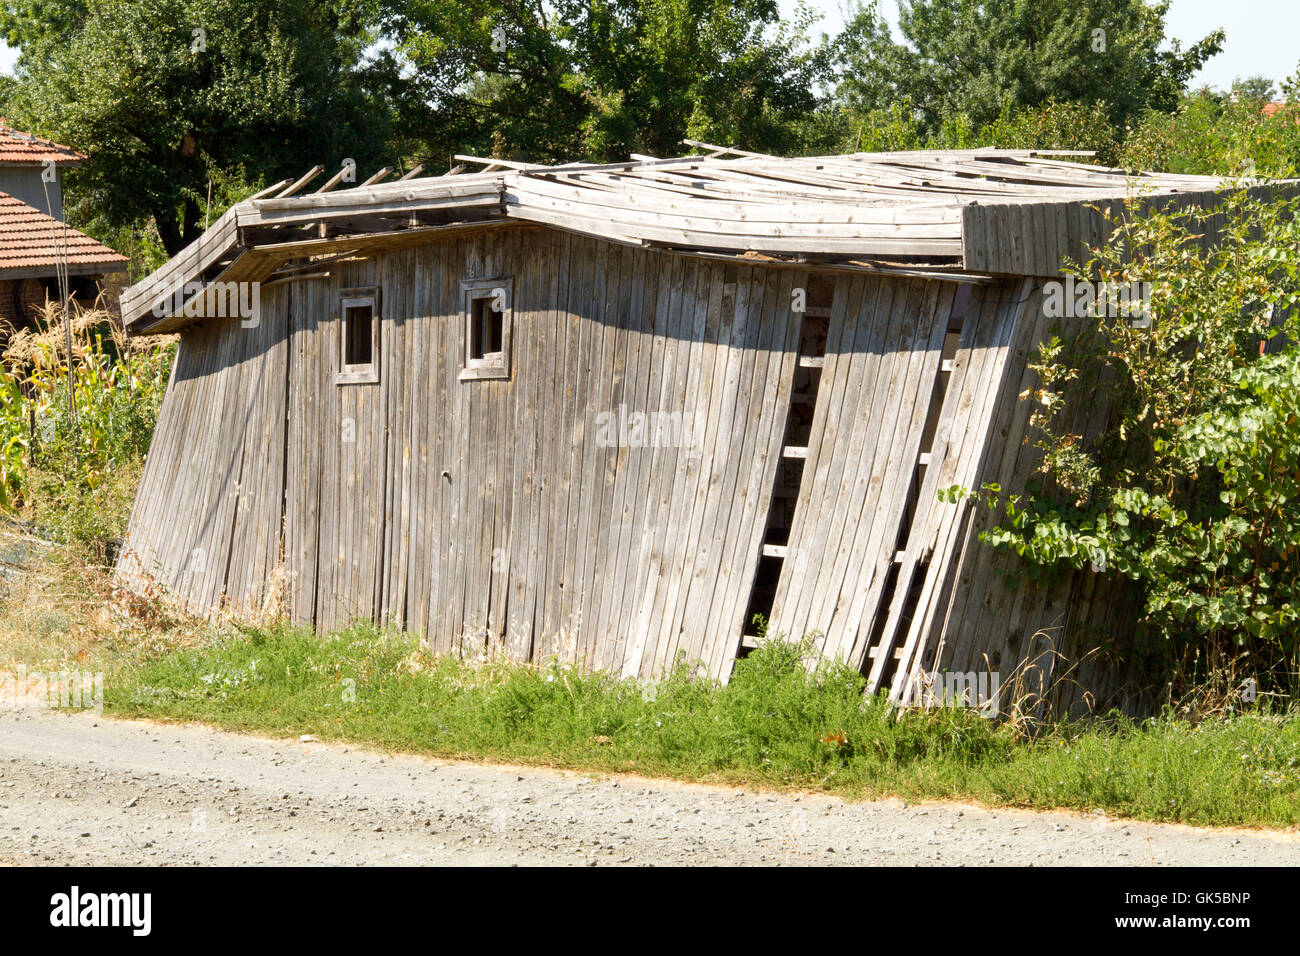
x=31, y=240
x=19, y=147
x=1272, y=109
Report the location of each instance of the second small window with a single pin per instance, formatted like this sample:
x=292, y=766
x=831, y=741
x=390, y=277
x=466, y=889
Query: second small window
x=487, y=320
x=358, y=337
x=486, y=330
x=358, y=326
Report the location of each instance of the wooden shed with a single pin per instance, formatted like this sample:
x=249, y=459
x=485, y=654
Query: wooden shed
x=614, y=412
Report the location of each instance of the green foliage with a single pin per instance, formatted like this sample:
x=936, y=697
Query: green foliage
x=1233, y=565
x=1211, y=135
x=25, y=22
x=785, y=719
x=979, y=58
x=74, y=474
x=1053, y=125
x=1256, y=90
x=171, y=98
x=577, y=80
x=1190, y=487
x=139, y=242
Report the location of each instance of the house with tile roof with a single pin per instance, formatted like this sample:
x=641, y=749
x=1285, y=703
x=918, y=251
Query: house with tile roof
x=29, y=168
x=1280, y=108
x=35, y=244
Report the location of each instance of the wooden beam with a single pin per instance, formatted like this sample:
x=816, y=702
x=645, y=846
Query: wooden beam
x=376, y=177
x=689, y=162
x=270, y=189
x=307, y=177
x=334, y=180
x=507, y=163
x=720, y=150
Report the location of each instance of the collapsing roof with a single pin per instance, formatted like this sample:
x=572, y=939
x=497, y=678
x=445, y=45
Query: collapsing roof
x=992, y=211
x=33, y=244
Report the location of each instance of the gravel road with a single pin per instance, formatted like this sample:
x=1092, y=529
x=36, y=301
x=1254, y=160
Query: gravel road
x=79, y=789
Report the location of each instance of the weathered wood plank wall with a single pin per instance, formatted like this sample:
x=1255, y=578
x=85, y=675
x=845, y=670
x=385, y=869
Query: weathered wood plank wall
x=1032, y=238
x=206, y=521
x=964, y=614
x=512, y=513
x=868, y=519
x=1043, y=640
x=523, y=524
x=489, y=510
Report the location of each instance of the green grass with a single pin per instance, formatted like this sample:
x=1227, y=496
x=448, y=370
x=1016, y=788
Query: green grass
x=776, y=724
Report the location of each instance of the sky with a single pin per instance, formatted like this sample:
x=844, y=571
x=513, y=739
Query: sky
x=1262, y=34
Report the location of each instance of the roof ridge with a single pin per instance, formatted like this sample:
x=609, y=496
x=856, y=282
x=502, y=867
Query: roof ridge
x=32, y=144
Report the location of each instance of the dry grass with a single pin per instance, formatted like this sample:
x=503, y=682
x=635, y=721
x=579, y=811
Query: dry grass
x=56, y=612
x=29, y=346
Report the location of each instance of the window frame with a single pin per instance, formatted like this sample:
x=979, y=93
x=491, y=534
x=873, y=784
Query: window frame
x=496, y=365
x=368, y=373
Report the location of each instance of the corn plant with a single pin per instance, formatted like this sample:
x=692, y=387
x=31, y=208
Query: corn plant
x=69, y=467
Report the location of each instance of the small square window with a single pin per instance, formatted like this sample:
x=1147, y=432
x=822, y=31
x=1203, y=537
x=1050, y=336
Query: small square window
x=358, y=337
x=487, y=321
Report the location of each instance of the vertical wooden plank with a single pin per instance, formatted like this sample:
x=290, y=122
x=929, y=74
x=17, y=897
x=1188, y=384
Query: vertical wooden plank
x=862, y=454
x=645, y=392
x=674, y=322
x=586, y=334
x=718, y=283
x=861, y=606
x=767, y=412
x=701, y=290
x=636, y=335
x=839, y=389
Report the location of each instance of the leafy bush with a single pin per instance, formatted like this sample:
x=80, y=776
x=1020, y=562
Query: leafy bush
x=1211, y=135
x=1078, y=126
x=1190, y=487
x=1234, y=565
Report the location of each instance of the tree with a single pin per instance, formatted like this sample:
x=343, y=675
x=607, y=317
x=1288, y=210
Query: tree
x=27, y=21
x=174, y=99
x=1254, y=89
x=979, y=57
x=1188, y=486
x=1291, y=87
x=8, y=87
x=1211, y=135
x=597, y=80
